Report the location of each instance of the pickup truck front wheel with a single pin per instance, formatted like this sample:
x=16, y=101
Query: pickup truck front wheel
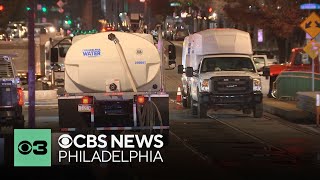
x=202, y=110
x=258, y=110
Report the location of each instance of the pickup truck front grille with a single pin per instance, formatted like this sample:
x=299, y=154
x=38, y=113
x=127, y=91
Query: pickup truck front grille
x=231, y=85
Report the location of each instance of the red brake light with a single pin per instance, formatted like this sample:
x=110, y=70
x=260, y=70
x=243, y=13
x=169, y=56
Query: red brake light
x=140, y=99
x=20, y=97
x=86, y=100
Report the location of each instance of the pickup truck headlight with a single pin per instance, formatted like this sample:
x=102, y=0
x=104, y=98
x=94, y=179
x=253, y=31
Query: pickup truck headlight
x=205, y=85
x=257, y=84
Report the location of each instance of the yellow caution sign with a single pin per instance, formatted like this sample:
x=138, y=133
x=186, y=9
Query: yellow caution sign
x=311, y=25
x=312, y=49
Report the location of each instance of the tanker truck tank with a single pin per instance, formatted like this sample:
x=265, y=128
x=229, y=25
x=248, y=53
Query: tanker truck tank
x=92, y=64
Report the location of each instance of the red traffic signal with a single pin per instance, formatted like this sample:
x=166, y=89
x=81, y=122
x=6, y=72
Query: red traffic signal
x=210, y=9
x=1, y=7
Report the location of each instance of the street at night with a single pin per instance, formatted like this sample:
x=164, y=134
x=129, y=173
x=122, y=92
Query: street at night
x=152, y=89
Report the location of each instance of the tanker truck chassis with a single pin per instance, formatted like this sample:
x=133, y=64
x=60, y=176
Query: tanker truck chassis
x=114, y=112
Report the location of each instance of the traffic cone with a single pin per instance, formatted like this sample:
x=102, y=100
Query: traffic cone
x=179, y=95
x=179, y=99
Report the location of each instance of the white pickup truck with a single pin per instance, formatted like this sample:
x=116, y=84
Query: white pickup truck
x=218, y=72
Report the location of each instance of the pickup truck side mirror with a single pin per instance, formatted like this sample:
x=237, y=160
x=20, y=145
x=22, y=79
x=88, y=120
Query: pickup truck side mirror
x=54, y=55
x=265, y=71
x=180, y=69
x=189, y=71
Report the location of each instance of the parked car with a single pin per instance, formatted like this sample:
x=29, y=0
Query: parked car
x=11, y=94
x=180, y=34
x=17, y=30
x=44, y=28
x=259, y=61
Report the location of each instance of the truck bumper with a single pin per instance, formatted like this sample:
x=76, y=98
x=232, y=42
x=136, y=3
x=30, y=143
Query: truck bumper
x=107, y=113
x=10, y=116
x=226, y=101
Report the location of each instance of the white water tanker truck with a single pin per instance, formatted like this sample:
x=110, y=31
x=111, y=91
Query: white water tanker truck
x=114, y=81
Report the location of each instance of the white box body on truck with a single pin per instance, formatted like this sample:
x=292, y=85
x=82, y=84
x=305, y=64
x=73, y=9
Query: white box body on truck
x=218, y=72
x=113, y=82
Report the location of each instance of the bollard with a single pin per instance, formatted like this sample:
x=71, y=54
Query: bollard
x=318, y=109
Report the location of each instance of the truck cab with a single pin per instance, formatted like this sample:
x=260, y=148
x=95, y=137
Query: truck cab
x=299, y=61
x=55, y=53
x=220, y=74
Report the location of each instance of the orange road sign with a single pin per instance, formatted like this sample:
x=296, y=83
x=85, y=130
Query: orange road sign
x=311, y=25
x=312, y=49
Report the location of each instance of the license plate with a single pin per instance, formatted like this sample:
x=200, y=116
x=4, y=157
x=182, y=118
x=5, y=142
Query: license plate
x=6, y=83
x=84, y=108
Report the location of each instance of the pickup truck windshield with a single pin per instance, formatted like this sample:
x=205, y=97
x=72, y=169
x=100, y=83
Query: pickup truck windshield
x=227, y=64
x=6, y=70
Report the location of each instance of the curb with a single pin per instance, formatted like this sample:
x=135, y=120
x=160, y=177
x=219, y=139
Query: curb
x=44, y=103
x=42, y=95
x=291, y=114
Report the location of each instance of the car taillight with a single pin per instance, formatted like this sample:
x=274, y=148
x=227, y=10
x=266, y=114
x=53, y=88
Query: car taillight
x=20, y=97
x=87, y=100
x=140, y=100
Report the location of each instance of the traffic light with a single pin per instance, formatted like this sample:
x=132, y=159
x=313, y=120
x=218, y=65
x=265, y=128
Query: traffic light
x=69, y=22
x=210, y=10
x=28, y=8
x=44, y=9
x=1, y=7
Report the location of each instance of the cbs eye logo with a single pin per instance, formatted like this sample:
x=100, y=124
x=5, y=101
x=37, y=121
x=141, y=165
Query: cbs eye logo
x=37, y=147
x=65, y=141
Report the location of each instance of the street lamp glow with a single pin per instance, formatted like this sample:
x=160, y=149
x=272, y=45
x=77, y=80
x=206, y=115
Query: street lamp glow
x=213, y=16
x=52, y=29
x=184, y=14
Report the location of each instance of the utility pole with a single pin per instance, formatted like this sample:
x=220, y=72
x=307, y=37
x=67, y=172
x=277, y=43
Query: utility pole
x=31, y=65
x=145, y=13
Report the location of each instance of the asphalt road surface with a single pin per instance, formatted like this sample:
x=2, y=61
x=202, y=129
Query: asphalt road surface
x=226, y=145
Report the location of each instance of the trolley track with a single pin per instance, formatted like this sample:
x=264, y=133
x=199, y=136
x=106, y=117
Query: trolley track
x=270, y=146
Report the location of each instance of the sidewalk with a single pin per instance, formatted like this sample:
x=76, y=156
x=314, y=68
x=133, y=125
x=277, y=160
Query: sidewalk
x=287, y=110
x=44, y=102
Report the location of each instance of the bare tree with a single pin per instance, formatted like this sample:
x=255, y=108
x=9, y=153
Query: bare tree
x=280, y=18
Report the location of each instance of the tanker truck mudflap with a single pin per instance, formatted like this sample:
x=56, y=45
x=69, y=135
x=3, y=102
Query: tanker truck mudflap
x=119, y=94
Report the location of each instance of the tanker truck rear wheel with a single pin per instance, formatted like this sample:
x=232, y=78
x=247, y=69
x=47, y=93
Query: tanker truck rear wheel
x=194, y=110
x=186, y=101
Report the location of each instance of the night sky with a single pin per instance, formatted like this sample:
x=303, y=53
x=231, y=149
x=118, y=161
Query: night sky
x=160, y=7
